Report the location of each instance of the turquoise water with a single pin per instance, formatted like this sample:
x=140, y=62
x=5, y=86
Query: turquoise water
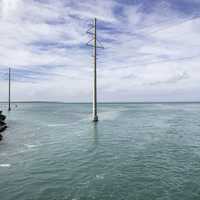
x=136, y=151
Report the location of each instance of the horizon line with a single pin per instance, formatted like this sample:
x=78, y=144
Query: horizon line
x=106, y=102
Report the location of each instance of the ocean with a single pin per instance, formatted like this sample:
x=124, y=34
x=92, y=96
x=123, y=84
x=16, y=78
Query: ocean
x=52, y=151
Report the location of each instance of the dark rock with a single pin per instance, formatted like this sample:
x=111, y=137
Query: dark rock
x=2, y=117
x=3, y=125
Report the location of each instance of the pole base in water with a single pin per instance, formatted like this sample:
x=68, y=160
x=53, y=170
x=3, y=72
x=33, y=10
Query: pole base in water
x=95, y=119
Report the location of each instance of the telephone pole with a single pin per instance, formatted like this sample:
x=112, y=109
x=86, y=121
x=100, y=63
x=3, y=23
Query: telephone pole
x=9, y=86
x=93, y=31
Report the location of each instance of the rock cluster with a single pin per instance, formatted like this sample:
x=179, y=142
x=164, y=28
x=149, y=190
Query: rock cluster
x=3, y=124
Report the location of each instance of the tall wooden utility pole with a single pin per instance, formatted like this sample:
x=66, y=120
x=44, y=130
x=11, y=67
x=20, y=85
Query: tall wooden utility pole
x=9, y=82
x=93, y=31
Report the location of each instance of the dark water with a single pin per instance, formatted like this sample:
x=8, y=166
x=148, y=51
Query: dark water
x=135, y=152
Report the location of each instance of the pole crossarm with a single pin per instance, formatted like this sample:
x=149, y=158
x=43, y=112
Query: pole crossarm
x=101, y=45
x=98, y=43
x=89, y=33
x=98, y=47
x=90, y=29
x=90, y=43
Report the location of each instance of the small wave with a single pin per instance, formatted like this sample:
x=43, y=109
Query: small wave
x=5, y=165
x=100, y=177
x=116, y=157
x=55, y=125
x=110, y=115
x=3, y=154
x=30, y=145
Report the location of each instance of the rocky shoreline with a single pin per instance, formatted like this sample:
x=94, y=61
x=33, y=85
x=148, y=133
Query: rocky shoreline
x=3, y=124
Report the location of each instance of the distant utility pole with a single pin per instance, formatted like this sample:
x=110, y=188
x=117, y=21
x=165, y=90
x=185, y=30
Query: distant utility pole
x=93, y=32
x=9, y=82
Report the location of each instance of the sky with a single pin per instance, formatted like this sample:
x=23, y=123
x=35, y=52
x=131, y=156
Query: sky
x=151, y=50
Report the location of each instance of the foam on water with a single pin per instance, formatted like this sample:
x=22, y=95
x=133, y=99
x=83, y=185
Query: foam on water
x=5, y=165
x=56, y=125
x=109, y=115
x=99, y=176
x=30, y=145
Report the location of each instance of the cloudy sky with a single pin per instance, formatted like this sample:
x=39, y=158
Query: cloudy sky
x=152, y=50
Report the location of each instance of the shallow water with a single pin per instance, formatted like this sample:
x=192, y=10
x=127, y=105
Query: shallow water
x=136, y=151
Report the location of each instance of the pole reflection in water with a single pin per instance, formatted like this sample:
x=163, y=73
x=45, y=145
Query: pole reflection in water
x=94, y=137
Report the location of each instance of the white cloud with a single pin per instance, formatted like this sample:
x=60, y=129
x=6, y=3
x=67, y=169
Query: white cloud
x=147, y=54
